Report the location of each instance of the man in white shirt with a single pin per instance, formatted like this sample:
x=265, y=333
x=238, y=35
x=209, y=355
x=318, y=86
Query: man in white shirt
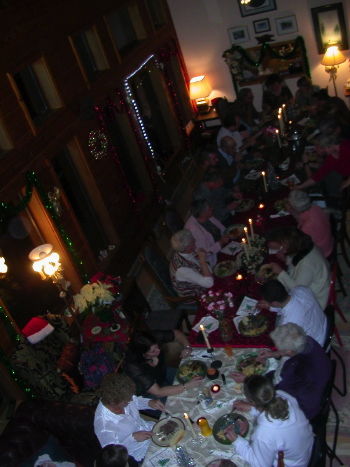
x=230, y=128
x=117, y=419
x=299, y=306
x=189, y=271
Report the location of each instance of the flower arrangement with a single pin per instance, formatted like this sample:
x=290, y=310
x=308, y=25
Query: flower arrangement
x=256, y=255
x=217, y=302
x=101, y=296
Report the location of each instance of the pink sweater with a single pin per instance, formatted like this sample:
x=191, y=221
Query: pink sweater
x=315, y=222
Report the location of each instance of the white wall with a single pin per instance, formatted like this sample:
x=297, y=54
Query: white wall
x=202, y=26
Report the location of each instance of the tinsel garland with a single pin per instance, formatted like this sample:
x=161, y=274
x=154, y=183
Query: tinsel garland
x=112, y=151
x=7, y=322
x=9, y=210
x=98, y=144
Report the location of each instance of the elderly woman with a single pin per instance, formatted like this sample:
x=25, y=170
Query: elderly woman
x=304, y=368
x=306, y=265
x=145, y=364
x=280, y=427
x=312, y=220
x=207, y=231
x=189, y=271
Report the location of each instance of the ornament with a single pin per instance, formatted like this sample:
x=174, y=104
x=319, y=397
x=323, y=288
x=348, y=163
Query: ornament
x=98, y=144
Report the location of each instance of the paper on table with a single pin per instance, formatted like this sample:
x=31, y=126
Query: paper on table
x=209, y=322
x=281, y=213
x=252, y=175
x=232, y=248
x=163, y=457
x=292, y=178
x=247, y=307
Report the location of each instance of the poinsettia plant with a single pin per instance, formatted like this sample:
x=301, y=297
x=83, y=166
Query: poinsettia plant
x=217, y=302
x=100, y=296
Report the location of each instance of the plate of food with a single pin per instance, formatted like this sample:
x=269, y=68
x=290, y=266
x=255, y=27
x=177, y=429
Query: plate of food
x=265, y=273
x=252, y=325
x=168, y=432
x=235, y=231
x=96, y=330
x=245, y=205
x=190, y=369
x=221, y=463
x=225, y=268
x=239, y=423
x=248, y=365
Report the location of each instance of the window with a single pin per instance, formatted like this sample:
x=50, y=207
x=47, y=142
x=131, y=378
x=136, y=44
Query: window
x=35, y=92
x=157, y=13
x=126, y=27
x=89, y=52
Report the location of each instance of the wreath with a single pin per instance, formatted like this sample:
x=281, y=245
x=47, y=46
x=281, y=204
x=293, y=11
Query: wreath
x=98, y=144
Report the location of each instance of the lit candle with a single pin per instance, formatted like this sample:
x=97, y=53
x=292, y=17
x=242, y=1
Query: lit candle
x=261, y=206
x=281, y=124
x=245, y=248
x=246, y=234
x=251, y=228
x=204, y=426
x=239, y=277
x=284, y=115
x=188, y=421
x=278, y=138
x=264, y=179
x=201, y=327
x=215, y=388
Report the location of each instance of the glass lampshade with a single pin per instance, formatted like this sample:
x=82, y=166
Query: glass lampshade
x=333, y=56
x=199, y=87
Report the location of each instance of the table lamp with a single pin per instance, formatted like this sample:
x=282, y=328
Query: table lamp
x=199, y=91
x=331, y=60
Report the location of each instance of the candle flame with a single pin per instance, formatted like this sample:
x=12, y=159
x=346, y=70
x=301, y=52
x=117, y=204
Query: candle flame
x=239, y=277
x=245, y=229
x=185, y=415
x=261, y=206
x=244, y=240
x=250, y=221
x=263, y=173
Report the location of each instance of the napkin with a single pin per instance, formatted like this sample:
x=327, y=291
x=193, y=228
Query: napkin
x=281, y=213
x=232, y=248
x=252, y=175
x=247, y=306
x=292, y=178
x=209, y=322
x=285, y=164
x=163, y=458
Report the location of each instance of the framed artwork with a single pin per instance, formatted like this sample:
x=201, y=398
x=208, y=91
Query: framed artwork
x=329, y=26
x=262, y=25
x=238, y=34
x=254, y=7
x=286, y=25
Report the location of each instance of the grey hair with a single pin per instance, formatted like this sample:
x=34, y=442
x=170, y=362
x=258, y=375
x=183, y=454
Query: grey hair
x=181, y=240
x=299, y=200
x=289, y=336
x=199, y=206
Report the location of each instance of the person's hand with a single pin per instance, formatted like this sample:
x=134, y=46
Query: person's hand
x=194, y=382
x=242, y=406
x=142, y=435
x=264, y=355
x=186, y=352
x=156, y=404
x=263, y=304
x=276, y=268
x=202, y=254
x=230, y=433
x=238, y=377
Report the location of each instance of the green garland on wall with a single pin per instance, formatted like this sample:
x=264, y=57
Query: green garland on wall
x=266, y=49
x=9, y=210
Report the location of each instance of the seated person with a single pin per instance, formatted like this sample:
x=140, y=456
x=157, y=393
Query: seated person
x=220, y=198
x=231, y=126
x=304, y=369
x=312, y=220
x=304, y=93
x=325, y=106
x=276, y=93
x=306, y=265
x=115, y=455
x=209, y=158
x=244, y=107
x=189, y=271
x=144, y=363
x=280, y=426
x=298, y=306
x=207, y=231
x=117, y=419
x=228, y=159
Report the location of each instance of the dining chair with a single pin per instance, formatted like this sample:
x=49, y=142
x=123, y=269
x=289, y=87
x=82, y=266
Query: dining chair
x=319, y=422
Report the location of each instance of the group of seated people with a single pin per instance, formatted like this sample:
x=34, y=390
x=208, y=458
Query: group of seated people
x=286, y=402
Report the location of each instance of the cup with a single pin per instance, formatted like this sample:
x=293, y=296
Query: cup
x=204, y=426
x=212, y=373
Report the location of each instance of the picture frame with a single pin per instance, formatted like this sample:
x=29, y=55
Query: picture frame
x=238, y=34
x=329, y=26
x=286, y=25
x=261, y=25
x=255, y=7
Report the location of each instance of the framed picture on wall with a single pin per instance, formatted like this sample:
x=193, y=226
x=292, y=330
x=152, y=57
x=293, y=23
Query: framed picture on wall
x=238, y=34
x=329, y=26
x=254, y=7
x=286, y=25
x=261, y=25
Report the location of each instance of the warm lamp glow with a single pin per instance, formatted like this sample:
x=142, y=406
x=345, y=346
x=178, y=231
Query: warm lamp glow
x=46, y=262
x=199, y=87
x=333, y=56
x=3, y=266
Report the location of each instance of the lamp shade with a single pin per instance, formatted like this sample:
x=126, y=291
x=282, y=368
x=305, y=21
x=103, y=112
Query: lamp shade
x=199, y=87
x=333, y=56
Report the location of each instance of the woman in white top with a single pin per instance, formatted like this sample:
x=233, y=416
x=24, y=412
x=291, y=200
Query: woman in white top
x=281, y=429
x=305, y=263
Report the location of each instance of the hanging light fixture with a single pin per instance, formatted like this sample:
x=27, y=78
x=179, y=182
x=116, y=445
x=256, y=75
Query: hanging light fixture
x=46, y=262
x=3, y=267
x=245, y=2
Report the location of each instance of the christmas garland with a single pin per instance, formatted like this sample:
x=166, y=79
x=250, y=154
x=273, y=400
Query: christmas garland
x=98, y=144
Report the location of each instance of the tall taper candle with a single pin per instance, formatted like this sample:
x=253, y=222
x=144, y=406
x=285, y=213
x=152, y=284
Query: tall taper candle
x=201, y=327
x=264, y=178
x=251, y=228
x=246, y=234
x=245, y=248
x=187, y=418
x=278, y=138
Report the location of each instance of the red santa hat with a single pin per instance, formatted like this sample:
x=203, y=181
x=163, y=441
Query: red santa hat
x=37, y=329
